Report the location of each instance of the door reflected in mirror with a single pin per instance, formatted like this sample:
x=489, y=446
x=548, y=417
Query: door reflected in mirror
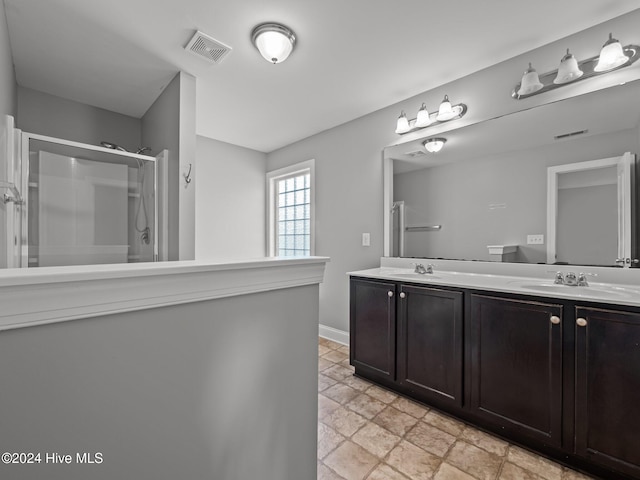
x=588, y=217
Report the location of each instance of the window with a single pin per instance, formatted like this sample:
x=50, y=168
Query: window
x=291, y=210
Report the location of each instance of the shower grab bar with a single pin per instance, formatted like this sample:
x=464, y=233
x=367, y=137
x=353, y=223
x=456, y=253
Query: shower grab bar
x=15, y=196
x=423, y=228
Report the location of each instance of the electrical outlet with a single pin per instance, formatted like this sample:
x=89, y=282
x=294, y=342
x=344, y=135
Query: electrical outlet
x=535, y=239
x=366, y=239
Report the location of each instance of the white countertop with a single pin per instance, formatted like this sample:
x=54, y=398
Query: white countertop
x=536, y=281
x=34, y=296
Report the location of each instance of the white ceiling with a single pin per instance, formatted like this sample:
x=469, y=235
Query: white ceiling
x=353, y=56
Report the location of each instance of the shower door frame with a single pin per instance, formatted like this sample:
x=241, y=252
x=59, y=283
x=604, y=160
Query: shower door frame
x=25, y=164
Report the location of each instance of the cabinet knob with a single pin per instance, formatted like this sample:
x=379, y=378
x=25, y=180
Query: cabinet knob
x=402, y=294
x=390, y=293
x=555, y=319
x=581, y=322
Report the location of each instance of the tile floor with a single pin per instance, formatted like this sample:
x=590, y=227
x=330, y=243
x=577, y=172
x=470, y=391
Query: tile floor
x=367, y=432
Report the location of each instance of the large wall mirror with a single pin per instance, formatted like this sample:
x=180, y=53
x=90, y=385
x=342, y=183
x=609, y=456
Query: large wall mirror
x=485, y=195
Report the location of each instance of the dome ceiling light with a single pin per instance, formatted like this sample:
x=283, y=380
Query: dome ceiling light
x=274, y=41
x=434, y=145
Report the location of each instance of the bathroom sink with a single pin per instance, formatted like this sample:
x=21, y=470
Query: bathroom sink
x=601, y=291
x=417, y=276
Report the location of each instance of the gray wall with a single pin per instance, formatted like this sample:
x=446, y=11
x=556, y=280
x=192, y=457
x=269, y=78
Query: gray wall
x=187, y=196
x=162, y=129
x=230, y=197
x=457, y=196
x=7, y=107
x=587, y=225
x=7, y=72
x=223, y=389
x=57, y=117
x=348, y=157
x=348, y=166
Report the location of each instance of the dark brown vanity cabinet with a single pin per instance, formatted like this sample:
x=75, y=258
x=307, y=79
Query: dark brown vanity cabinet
x=515, y=366
x=373, y=328
x=559, y=376
x=429, y=359
x=607, y=388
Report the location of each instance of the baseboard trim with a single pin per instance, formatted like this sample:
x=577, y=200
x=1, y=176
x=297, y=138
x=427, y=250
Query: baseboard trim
x=334, y=334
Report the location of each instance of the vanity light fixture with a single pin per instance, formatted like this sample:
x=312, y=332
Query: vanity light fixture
x=274, y=41
x=530, y=82
x=423, y=119
x=568, y=70
x=445, y=113
x=612, y=56
x=402, y=126
x=434, y=145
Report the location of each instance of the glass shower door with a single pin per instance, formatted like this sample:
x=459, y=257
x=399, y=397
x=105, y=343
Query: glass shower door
x=87, y=204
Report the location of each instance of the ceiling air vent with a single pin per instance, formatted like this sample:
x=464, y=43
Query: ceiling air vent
x=572, y=134
x=207, y=47
x=415, y=153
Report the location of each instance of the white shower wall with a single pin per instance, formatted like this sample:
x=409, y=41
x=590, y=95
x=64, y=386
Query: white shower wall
x=82, y=211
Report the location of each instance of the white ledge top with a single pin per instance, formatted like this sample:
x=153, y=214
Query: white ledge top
x=32, y=276
x=35, y=296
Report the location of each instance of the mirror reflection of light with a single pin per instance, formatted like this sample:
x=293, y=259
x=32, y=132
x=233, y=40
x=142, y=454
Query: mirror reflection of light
x=434, y=145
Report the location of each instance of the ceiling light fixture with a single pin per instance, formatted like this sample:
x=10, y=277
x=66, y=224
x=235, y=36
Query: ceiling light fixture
x=612, y=57
x=445, y=113
x=274, y=41
x=434, y=145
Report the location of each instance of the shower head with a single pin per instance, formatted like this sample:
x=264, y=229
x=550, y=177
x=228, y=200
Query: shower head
x=113, y=146
x=142, y=150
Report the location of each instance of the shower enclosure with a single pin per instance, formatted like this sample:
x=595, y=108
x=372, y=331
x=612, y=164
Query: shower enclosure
x=79, y=204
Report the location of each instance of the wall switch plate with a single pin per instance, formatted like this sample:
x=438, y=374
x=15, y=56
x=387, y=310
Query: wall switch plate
x=535, y=239
x=366, y=239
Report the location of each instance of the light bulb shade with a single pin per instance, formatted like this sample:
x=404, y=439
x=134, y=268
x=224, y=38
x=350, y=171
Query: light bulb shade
x=275, y=42
x=445, y=112
x=423, y=119
x=611, y=56
x=434, y=145
x=530, y=82
x=402, y=125
x=568, y=70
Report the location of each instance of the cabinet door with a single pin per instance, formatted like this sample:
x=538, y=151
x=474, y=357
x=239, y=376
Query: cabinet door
x=373, y=328
x=430, y=344
x=608, y=388
x=516, y=366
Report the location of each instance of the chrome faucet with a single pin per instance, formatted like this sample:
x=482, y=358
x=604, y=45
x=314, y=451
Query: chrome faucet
x=420, y=268
x=559, y=280
x=572, y=280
